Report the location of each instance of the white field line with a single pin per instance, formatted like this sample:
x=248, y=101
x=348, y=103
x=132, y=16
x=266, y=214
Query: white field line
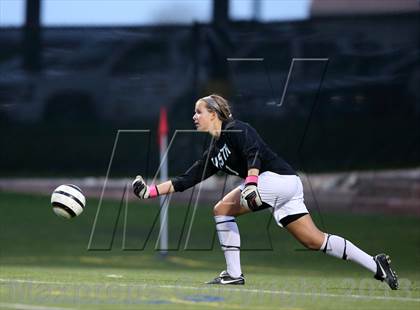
x=225, y=289
x=28, y=307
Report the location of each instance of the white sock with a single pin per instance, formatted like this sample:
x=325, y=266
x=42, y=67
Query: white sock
x=341, y=248
x=230, y=241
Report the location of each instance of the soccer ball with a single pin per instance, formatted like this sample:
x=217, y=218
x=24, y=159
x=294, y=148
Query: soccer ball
x=68, y=201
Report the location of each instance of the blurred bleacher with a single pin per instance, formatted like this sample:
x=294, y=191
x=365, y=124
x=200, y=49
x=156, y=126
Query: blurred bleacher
x=382, y=192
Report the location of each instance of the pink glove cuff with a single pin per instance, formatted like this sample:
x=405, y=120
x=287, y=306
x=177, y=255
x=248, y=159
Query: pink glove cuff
x=153, y=191
x=251, y=179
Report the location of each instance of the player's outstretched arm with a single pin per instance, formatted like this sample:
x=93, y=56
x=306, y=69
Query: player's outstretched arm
x=143, y=191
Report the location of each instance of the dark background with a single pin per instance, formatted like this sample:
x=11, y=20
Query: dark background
x=66, y=91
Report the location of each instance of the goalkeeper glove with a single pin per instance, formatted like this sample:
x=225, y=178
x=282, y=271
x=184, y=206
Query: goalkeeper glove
x=250, y=197
x=143, y=191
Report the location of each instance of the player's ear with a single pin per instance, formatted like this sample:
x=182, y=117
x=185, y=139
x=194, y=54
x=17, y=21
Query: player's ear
x=213, y=115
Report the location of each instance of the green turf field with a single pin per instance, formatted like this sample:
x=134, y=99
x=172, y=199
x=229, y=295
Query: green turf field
x=45, y=263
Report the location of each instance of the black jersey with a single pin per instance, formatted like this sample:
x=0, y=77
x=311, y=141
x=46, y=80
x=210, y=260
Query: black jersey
x=238, y=149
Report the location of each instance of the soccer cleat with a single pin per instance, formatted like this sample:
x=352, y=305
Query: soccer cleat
x=384, y=271
x=224, y=278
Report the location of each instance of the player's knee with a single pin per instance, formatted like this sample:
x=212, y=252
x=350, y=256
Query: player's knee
x=217, y=210
x=315, y=240
x=221, y=208
x=312, y=243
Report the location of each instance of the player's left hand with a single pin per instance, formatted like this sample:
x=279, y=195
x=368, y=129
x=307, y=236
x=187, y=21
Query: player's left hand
x=250, y=197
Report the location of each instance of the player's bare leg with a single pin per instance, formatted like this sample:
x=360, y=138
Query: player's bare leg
x=230, y=205
x=225, y=212
x=305, y=231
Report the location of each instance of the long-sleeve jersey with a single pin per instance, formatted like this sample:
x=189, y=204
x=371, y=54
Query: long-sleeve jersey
x=238, y=149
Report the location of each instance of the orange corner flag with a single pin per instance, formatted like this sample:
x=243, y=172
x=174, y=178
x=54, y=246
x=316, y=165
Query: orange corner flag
x=163, y=125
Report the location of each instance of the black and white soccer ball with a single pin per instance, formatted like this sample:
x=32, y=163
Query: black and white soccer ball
x=68, y=201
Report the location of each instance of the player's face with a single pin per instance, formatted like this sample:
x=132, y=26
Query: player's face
x=203, y=119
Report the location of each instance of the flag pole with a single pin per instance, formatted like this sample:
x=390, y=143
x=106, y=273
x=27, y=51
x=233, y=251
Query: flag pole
x=164, y=201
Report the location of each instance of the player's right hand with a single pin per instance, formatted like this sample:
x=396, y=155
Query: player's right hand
x=140, y=188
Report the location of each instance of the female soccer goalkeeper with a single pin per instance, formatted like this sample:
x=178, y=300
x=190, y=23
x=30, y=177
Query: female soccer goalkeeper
x=269, y=182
